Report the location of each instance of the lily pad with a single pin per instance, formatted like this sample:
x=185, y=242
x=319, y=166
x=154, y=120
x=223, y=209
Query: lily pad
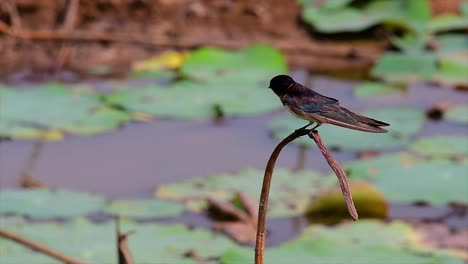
x=457, y=114
x=289, y=195
x=453, y=71
x=403, y=68
x=217, y=83
x=436, y=182
x=95, y=243
x=28, y=112
x=441, y=145
x=144, y=208
x=256, y=63
x=344, y=17
x=448, y=22
x=452, y=44
x=360, y=242
x=43, y=204
x=370, y=169
x=406, y=121
x=369, y=89
x=407, y=179
x=192, y=100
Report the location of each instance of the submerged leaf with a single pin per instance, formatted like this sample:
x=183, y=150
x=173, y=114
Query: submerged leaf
x=330, y=207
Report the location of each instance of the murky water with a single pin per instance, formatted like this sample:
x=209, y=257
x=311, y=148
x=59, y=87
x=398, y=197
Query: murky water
x=130, y=162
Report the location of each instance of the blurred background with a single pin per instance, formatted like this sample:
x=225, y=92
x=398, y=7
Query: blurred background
x=157, y=111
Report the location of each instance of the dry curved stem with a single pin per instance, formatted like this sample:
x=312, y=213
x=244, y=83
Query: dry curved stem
x=263, y=205
x=262, y=208
x=340, y=173
x=38, y=247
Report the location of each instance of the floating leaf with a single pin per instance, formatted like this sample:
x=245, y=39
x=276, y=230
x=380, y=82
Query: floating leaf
x=360, y=242
x=370, y=169
x=447, y=22
x=144, y=208
x=256, y=63
x=100, y=121
x=457, y=114
x=43, y=111
x=368, y=89
x=218, y=83
x=42, y=203
x=412, y=15
x=95, y=243
x=452, y=44
x=395, y=67
x=441, y=145
x=406, y=121
x=453, y=71
x=435, y=182
x=290, y=192
x=406, y=179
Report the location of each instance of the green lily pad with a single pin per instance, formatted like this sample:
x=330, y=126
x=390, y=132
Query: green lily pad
x=192, y=100
x=369, y=89
x=257, y=63
x=453, y=71
x=407, y=179
x=457, y=114
x=42, y=203
x=289, y=195
x=96, y=243
x=144, y=208
x=218, y=83
x=435, y=182
x=370, y=169
x=360, y=242
x=343, y=17
x=406, y=122
x=403, y=68
x=447, y=22
x=28, y=112
x=441, y=145
x=452, y=43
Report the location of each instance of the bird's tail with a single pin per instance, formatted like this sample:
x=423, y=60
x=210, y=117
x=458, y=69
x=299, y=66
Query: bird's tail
x=369, y=124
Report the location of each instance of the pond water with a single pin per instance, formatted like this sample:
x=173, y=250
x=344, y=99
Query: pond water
x=131, y=161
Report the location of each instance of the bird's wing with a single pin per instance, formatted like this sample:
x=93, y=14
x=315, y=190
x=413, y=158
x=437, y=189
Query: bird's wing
x=328, y=110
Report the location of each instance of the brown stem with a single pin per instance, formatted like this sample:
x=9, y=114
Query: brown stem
x=260, y=239
x=35, y=246
x=262, y=208
x=340, y=173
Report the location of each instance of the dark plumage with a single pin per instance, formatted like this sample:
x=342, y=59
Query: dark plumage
x=316, y=108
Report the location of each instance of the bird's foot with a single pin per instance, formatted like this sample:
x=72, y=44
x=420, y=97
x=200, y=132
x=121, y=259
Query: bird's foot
x=302, y=128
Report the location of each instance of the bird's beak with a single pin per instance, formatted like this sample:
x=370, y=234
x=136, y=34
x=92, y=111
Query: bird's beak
x=269, y=87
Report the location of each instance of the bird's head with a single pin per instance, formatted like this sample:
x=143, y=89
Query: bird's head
x=280, y=84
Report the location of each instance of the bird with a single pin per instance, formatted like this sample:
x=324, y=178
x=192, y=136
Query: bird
x=307, y=104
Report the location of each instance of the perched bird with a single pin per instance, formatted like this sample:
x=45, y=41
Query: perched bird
x=316, y=108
